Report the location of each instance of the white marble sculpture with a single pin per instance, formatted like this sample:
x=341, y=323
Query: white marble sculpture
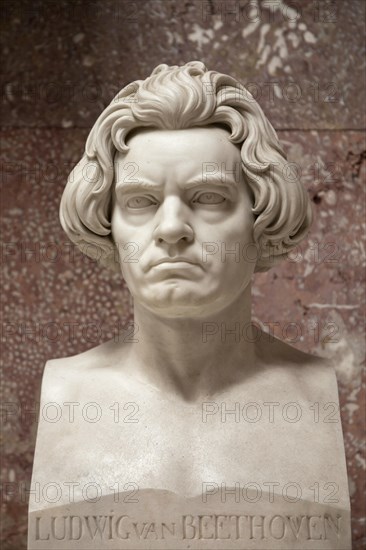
x=198, y=432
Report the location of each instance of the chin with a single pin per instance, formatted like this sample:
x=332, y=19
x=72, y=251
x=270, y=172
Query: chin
x=177, y=302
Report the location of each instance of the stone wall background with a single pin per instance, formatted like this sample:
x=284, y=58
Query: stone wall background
x=62, y=62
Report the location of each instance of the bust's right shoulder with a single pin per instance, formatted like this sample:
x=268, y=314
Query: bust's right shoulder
x=103, y=355
x=65, y=375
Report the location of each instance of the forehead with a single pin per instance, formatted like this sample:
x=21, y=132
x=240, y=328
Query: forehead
x=179, y=152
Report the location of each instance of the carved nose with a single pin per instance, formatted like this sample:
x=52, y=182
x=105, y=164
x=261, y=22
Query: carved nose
x=173, y=224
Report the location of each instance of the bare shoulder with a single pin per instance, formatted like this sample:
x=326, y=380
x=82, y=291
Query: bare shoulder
x=314, y=374
x=274, y=350
x=101, y=356
x=65, y=374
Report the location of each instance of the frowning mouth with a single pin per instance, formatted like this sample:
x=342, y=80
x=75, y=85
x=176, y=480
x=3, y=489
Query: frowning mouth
x=177, y=260
x=174, y=264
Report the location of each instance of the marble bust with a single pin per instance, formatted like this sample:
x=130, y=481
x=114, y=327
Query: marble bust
x=199, y=432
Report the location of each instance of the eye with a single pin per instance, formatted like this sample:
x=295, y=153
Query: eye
x=209, y=198
x=140, y=202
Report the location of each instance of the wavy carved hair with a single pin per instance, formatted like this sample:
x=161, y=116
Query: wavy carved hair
x=179, y=97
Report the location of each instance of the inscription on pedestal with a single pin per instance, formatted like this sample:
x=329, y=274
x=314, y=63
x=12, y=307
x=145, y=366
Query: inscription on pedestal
x=189, y=527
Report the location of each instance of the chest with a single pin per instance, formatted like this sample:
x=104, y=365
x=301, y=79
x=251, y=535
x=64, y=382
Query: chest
x=149, y=443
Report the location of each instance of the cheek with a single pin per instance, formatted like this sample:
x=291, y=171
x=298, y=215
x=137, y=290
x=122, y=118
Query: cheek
x=127, y=249
x=131, y=245
x=125, y=231
x=242, y=229
x=232, y=250
x=122, y=233
x=238, y=229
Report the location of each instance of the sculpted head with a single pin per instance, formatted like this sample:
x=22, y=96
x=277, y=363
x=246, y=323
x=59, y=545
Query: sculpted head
x=180, y=162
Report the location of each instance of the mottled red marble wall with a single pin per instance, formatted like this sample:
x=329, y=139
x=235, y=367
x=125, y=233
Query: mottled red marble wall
x=62, y=62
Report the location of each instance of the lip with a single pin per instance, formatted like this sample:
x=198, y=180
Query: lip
x=175, y=260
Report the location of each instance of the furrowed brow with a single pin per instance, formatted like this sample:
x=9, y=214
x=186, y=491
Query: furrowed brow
x=139, y=185
x=217, y=178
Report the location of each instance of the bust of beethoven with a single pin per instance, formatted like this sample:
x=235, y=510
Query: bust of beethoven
x=182, y=189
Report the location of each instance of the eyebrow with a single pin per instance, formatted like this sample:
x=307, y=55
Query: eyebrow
x=144, y=184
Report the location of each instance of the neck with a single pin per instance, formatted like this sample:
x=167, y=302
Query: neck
x=194, y=357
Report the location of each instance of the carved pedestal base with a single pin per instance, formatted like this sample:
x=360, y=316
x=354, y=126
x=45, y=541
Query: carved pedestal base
x=161, y=520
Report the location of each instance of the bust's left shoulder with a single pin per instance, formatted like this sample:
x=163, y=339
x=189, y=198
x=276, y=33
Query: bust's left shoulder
x=313, y=374
x=316, y=375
